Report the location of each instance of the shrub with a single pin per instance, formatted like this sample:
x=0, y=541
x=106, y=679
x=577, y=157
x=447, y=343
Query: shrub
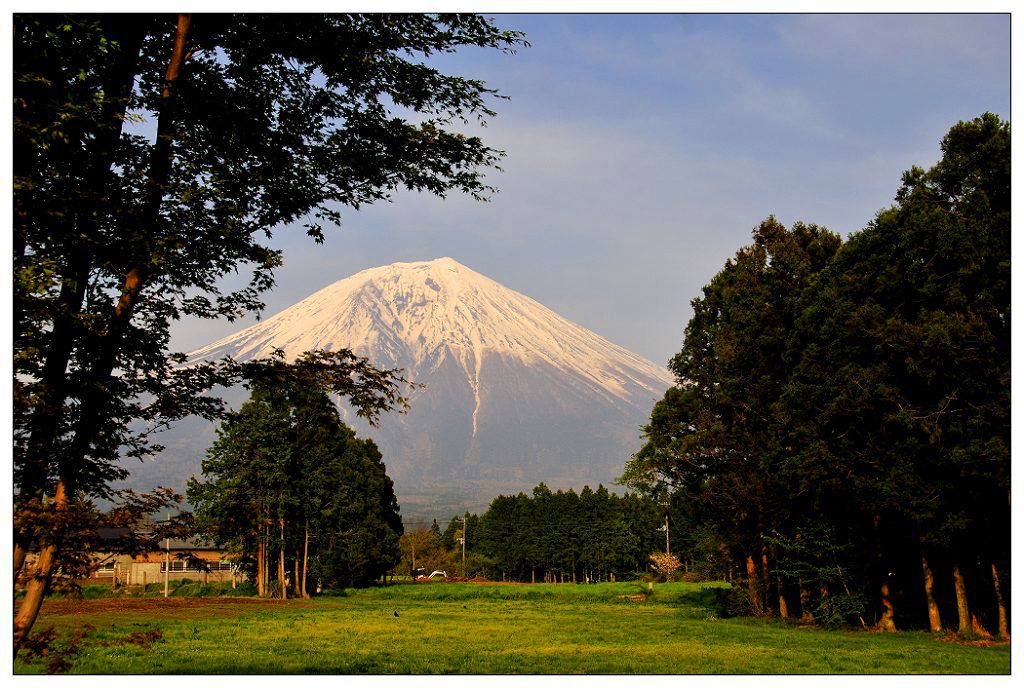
x=839, y=610
x=664, y=565
x=731, y=602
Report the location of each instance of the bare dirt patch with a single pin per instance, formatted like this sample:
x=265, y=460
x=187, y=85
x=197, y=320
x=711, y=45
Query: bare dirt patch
x=633, y=598
x=166, y=607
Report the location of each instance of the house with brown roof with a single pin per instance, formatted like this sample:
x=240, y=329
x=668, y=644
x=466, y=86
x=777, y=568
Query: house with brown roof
x=180, y=559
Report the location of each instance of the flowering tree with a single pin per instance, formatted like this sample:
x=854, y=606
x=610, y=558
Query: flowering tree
x=664, y=565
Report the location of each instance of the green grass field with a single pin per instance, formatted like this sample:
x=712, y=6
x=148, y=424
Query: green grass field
x=473, y=628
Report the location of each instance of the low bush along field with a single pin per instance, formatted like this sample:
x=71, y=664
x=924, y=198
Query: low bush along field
x=482, y=628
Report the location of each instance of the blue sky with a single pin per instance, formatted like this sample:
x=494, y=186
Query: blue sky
x=642, y=150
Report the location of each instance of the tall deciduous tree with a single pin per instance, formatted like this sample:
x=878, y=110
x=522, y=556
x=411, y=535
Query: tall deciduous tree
x=254, y=122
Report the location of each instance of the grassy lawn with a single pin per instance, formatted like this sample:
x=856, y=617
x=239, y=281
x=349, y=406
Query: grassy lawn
x=474, y=628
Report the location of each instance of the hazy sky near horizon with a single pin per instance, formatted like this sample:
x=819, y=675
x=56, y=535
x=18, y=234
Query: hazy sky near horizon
x=643, y=149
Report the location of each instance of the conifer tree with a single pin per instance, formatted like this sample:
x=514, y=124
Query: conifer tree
x=902, y=388
x=287, y=480
x=841, y=418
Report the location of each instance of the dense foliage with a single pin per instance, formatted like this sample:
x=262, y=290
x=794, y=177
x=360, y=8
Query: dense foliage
x=563, y=536
x=567, y=536
x=288, y=481
x=152, y=156
x=842, y=420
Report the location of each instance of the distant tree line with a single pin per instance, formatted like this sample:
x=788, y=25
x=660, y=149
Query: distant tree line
x=544, y=536
x=564, y=536
x=841, y=422
x=299, y=499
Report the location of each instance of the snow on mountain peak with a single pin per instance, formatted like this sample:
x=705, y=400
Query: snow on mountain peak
x=513, y=393
x=416, y=315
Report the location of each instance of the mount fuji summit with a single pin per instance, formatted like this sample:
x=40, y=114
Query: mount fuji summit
x=513, y=395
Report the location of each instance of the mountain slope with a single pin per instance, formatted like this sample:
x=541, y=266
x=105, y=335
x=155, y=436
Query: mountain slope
x=514, y=393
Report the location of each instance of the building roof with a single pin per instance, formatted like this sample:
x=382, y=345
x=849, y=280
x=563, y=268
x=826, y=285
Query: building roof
x=106, y=533
x=179, y=544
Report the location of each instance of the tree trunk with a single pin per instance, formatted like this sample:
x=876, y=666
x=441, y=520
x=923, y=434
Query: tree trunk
x=267, y=566
x=752, y=587
x=94, y=395
x=978, y=629
x=48, y=413
x=266, y=560
x=20, y=550
x=783, y=607
x=128, y=33
x=533, y=574
x=765, y=581
x=1004, y=626
x=305, y=561
x=888, y=621
x=261, y=589
x=934, y=620
x=280, y=561
x=296, y=582
x=136, y=277
x=39, y=581
x=35, y=590
x=805, y=605
x=962, y=610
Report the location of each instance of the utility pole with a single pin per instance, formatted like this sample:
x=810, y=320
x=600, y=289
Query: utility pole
x=167, y=561
x=463, y=519
x=413, y=529
x=667, y=550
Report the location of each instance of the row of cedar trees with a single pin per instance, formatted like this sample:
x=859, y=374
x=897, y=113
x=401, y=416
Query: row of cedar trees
x=288, y=486
x=559, y=536
x=563, y=536
x=842, y=418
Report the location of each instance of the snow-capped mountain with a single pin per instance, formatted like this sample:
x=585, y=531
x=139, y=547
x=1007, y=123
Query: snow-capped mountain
x=514, y=393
